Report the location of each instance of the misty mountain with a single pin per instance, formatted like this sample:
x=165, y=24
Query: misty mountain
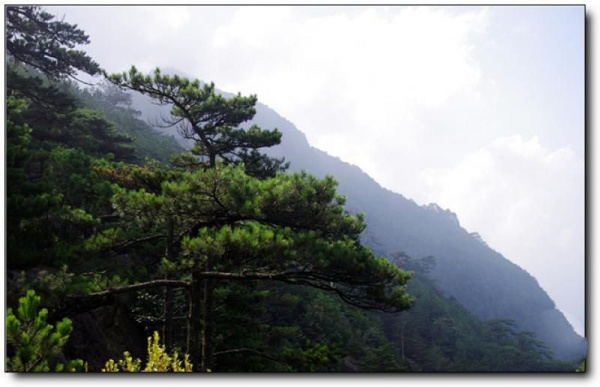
x=467, y=269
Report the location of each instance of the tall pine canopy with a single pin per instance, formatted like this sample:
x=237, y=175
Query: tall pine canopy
x=232, y=216
x=35, y=38
x=210, y=120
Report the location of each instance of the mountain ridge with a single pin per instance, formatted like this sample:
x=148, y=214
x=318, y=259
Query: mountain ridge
x=480, y=278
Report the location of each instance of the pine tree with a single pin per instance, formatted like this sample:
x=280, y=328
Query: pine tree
x=34, y=341
x=210, y=120
x=290, y=228
x=36, y=39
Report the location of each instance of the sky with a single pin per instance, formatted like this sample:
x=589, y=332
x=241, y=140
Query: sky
x=479, y=109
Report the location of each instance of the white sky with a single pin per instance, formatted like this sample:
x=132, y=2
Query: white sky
x=479, y=109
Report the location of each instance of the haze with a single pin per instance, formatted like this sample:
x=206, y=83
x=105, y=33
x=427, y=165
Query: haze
x=478, y=109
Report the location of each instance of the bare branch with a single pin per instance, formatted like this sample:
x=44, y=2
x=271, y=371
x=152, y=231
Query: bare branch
x=130, y=243
x=134, y=287
x=80, y=303
x=248, y=350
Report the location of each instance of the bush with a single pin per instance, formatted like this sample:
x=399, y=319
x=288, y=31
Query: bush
x=35, y=342
x=158, y=360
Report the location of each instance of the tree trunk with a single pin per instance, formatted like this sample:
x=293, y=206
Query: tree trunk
x=169, y=303
x=403, y=324
x=207, y=336
x=168, y=318
x=195, y=320
x=208, y=319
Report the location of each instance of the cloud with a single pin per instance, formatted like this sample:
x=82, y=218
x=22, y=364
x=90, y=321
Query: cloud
x=357, y=75
x=527, y=202
x=148, y=36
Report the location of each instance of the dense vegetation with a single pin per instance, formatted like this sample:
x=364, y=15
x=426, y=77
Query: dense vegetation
x=240, y=265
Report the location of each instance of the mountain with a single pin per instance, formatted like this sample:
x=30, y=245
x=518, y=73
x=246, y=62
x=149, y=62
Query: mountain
x=467, y=269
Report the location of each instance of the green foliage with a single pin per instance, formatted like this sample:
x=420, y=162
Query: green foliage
x=158, y=360
x=48, y=96
x=34, y=38
x=313, y=357
x=89, y=130
x=50, y=210
x=54, y=284
x=18, y=136
x=313, y=331
x=439, y=335
x=231, y=226
x=54, y=194
x=291, y=226
x=40, y=51
x=36, y=343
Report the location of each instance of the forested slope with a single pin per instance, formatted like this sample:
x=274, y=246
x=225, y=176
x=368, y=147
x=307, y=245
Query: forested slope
x=485, y=282
x=236, y=262
x=480, y=278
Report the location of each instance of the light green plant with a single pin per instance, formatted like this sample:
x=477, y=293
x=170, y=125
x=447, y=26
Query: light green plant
x=36, y=343
x=158, y=360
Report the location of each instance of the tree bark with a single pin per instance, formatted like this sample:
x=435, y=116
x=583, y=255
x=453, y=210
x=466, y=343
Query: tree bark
x=195, y=320
x=403, y=324
x=208, y=319
x=207, y=333
x=169, y=303
x=212, y=157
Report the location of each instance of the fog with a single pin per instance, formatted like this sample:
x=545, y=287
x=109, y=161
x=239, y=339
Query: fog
x=478, y=109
